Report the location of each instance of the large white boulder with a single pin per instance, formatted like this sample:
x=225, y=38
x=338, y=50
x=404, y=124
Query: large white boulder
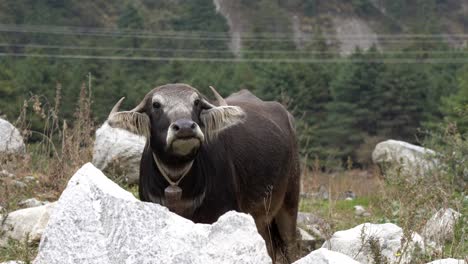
x=448, y=261
x=325, y=256
x=118, y=153
x=358, y=242
x=440, y=227
x=95, y=221
x=11, y=141
x=409, y=158
x=26, y=223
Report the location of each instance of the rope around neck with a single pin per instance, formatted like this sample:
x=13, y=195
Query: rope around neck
x=166, y=171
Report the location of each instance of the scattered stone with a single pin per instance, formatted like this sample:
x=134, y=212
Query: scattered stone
x=348, y=195
x=313, y=225
x=118, y=153
x=359, y=210
x=360, y=241
x=29, y=179
x=30, y=221
x=325, y=256
x=306, y=241
x=19, y=184
x=96, y=221
x=440, y=227
x=6, y=174
x=322, y=193
x=366, y=214
x=410, y=159
x=11, y=141
x=31, y=202
x=448, y=261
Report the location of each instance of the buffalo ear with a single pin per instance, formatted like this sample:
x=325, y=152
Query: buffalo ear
x=217, y=118
x=135, y=120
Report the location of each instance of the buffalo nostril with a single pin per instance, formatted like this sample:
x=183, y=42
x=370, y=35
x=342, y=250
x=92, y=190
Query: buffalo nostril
x=175, y=127
x=193, y=126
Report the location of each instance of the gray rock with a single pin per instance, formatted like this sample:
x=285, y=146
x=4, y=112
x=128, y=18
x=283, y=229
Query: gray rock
x=313, y=224
x=11, y=141
x=448, y=261
x=356, y=243
x=439, y=228
x=118, y=153
x=322, y=193
x=409, y=159
x=325, y=256
x=29, y=179
x=19, y=184
x=306, y=241
x=359, y=210
x=6, y=174
x=95, y=221
x=31, y=202
x=29, y=222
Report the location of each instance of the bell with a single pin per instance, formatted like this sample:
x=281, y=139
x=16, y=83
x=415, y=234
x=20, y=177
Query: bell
x=173, y=197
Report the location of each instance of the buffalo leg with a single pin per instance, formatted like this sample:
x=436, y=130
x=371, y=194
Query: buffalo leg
x=264, y=230
x=286, y=219
x=286, y=223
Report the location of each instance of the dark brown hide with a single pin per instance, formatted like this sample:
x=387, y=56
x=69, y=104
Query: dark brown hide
x=251, y=167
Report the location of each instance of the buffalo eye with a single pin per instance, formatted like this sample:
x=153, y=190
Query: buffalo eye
x=196, y=102
x=156, y=105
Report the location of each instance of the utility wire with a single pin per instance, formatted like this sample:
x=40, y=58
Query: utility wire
x=136, y=32
x=111, y=48
x=188, y=36
x=240, y=60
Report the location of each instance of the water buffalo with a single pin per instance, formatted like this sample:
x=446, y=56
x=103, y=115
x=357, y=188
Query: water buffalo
x=202, y=159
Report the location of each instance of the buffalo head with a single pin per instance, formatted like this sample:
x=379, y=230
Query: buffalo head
x=177, y=120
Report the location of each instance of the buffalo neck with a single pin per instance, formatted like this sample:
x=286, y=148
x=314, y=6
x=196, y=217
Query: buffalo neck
x=172, y=173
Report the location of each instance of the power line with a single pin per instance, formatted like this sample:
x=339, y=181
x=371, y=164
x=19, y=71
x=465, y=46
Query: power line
x=241, y=60
x=111, y=48
x=113, y=31
x=191, y=36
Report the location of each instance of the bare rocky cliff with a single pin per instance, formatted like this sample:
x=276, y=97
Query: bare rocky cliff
x=338, y=23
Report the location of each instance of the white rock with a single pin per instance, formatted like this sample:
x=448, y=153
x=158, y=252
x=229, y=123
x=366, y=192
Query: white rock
x=118, y=152
x=325, y=256
x=359, y=210
x=11, y=141
x=13, y=262
x=5, y=173
x=31, y=202
x=411, y=159
x=19, y=184
x=439, y=228
x=30, y=179
x=95, y=221
x=389, y=236
x=312, y=224
x=448, y=261
x=30, y=221
x=304, y=235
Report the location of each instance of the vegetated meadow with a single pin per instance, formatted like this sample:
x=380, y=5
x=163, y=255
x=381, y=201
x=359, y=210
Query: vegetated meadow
x=65, y=145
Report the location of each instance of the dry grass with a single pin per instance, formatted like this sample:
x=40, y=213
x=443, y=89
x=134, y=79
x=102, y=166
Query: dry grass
x=52, y=156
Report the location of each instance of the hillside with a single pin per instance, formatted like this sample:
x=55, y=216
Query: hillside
x=347, y=24
x=407, y=75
